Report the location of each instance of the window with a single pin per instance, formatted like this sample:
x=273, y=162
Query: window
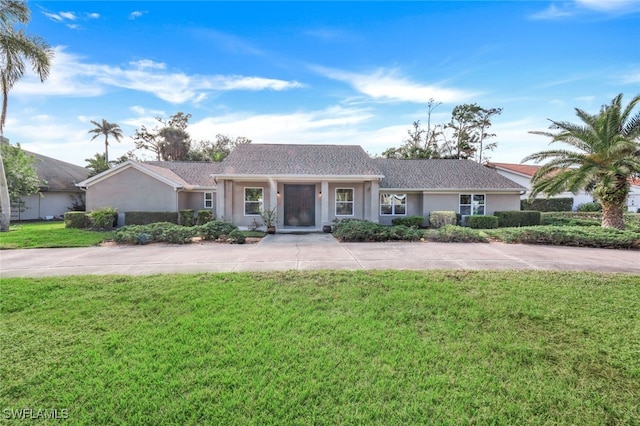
x=252, y=201
x=344, y=201
x=471, y=204
x=208, y=200
x=393, y=204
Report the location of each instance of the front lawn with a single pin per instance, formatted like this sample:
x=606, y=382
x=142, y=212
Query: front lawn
x=384, y=347
x=49, y=235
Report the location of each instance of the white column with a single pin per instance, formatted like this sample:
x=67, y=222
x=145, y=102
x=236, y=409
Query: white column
x=273, y=200
x=375, y=199
x=324, y=203
x=220, y=199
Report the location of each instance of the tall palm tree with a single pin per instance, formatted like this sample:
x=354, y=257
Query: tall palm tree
x=15, y=47
x=105, y=128
x=605, y=154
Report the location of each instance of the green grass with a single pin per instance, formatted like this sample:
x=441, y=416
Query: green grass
x=385, y=347
x=49, y=235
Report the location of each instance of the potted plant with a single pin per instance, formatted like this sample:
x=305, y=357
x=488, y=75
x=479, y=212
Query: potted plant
x=270, y=217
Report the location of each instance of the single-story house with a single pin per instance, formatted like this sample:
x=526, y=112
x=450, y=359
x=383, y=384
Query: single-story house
x=58, y=190
x=309, y=185
x=523, y=173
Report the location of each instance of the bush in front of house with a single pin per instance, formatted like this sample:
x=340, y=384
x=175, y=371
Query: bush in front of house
x=205, y=216
x=438, y=219
x=456, y=234
x=516, y=218
x=548, y=204
x=590, y=207
x=215, y=230
x=186, y=217
x=104, y=218
x=355, y=230
x=78, y=220
x=482, y=222
x=145, y=218
x=578, y=236
x=160, y=232
x=409, y=221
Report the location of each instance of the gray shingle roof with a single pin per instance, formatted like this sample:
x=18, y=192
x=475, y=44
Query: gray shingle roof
x=58, y=175
x=310, y=160
x=197, y=173
x=441, y=174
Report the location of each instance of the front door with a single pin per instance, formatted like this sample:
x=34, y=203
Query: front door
x=299, y=205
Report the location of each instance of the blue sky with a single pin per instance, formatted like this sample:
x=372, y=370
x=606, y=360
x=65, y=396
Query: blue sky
x=321, y=72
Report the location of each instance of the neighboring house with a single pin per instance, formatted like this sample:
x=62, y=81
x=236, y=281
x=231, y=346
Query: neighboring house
x=522, y=174
x=310, y=185
x=57, y=192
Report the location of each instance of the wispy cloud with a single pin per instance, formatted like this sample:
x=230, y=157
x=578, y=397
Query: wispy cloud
x=562, y=10
x=70, y=19
x=137, y=14
x=70, y=75
x=389, y=85
x=228, y=42
x=330, y=34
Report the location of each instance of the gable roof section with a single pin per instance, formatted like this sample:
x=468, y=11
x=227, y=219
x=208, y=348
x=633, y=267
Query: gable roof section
x=164, y=175
x=254, y=160
x=58, y=175
x=441, y=175
x=196, y=173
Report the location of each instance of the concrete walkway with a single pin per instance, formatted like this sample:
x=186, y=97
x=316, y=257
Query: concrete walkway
x=312, y=251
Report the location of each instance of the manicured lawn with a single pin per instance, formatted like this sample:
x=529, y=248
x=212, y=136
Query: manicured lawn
x=386, y=347
x=49, y=234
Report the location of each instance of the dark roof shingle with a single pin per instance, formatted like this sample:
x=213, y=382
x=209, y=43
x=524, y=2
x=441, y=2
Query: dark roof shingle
x=197, y=173
x=58, y=175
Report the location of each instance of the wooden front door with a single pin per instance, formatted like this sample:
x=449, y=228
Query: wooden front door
x=299, y=205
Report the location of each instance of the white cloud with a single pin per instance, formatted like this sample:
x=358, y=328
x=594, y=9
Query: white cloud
x=611, y=6
x=70, y=75
x=68, y=15
x=569, y=9
x=137, y=14
x=387, y=85
x=70, y=18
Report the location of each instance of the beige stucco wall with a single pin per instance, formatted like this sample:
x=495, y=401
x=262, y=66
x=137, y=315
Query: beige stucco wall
x=235, y=205
x=194, y=200
x=501, y=202
x=414, y=207
x=132, y=190
x=359, y=200
x=48, y=204
x=451, y=202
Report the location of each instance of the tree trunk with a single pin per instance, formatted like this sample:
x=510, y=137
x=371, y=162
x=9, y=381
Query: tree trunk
x=613, y=215
x=5, y=201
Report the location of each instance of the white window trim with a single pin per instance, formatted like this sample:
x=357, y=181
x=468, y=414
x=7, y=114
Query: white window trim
x=353, y=203
x=471, y=205
x=393, y=206
x=244, y=201
x=210, y=201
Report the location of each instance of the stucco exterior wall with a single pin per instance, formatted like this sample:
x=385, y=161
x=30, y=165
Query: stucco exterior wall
x=132, y=190
x=237, y=201
x=48, y=204
x=414, y=207
x=359, y=200
x=194, y=201
x=501, y=202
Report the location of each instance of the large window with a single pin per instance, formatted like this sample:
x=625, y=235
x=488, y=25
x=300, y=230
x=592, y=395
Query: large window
x=472, y=204
x=253, y=200
x=344, y=201
x=393, y=204
x=208, y=200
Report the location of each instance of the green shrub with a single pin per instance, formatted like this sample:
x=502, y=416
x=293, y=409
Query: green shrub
x=361, y=231
x=459, y=234
x=215, y=229
x=438, y=219
x=566, y=221
x=205, y=216
x=177, y=234
x=516, y=218
x=409, y=221
x=156, y=232
x=145, y=218
x=482, y=222
x=570, y=236
x=185, y=217
x=548, y=204
x=590, y=207
x=78, y=220
x=236, y=237
x=104, y=218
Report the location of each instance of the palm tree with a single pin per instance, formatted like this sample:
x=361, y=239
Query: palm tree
x=15, y=47
x=105, y=128
x=606, y=154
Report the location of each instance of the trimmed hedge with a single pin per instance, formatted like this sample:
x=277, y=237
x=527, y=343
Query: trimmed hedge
x=517, y=218
x=548, y=204
x=145, y=218
x=185, y=217
x=577, y=236
x=205, y=216
x=104, y=218
x=215, y=230
x=438, y=219
x=364, y=231
x=176, y=234
x=456, y=234
x=482, y=222
x=78, y=220
x=590, y=207
x=409, y=221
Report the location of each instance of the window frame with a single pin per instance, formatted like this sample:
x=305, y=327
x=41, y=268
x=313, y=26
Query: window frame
x=210, y=201
x=261, y=201
x=473, y=205
x=393, y=206
x=352, y=202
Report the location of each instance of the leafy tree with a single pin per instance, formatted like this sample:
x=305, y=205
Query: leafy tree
x=421, y=143
x=604, y=153
x=15, y=47
x=470, y=124
x=22, y=178
x=169, y=140
x=107, y=129
x=483, y=122
x=217, y=150
x=97, y=164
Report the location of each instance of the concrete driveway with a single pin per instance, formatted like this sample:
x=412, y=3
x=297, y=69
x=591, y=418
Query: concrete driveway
x=312, y=251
